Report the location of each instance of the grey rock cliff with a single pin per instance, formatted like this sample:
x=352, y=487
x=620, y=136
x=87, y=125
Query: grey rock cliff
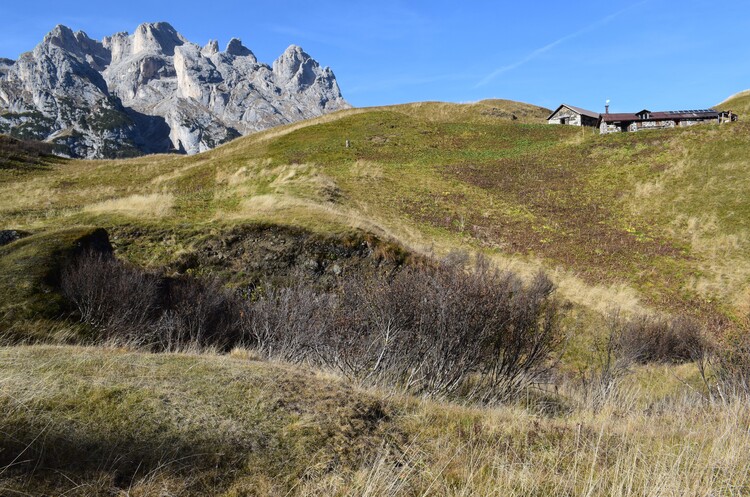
x=154, y=91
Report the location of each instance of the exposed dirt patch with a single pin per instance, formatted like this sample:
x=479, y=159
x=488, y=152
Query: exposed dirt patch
x=255, y=254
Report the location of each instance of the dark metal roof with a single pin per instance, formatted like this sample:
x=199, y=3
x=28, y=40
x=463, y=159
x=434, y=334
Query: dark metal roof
x=577, y=110
x=622, y=116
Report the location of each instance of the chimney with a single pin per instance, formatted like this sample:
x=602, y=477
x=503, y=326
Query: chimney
x=606, y=107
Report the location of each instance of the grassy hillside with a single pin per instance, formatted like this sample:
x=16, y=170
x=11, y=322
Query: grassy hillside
x=80, y=421
x=647, y=220
x=739, y=103
x=653, y=221
x=29, y=278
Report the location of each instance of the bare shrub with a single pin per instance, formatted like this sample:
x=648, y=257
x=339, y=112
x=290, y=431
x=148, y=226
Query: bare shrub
x=731, y=364
x=599, y=382
x=640, y=339
x=127, y=305
x=287, y=323
x=647, y=339
x=444, y=330
x=523, y=335
x=199, y=314
x=440, y=331
x=116, y=300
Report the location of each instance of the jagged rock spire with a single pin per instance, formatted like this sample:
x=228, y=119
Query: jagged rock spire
x=211, y=48
x=236, y=48
x=154, y=91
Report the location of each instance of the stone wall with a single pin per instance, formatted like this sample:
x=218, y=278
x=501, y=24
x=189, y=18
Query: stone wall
x=637, y=126
x=605, y=128
x=571, y=118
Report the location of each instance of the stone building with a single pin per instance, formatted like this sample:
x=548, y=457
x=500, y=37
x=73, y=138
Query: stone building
x=574, y=116
x=645, y=119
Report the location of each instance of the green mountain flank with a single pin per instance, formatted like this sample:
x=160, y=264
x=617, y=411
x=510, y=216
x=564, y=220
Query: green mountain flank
x=632, y=226
x=650, y=221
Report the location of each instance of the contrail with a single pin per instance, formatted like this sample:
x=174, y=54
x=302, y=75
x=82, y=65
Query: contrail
x=539, y=51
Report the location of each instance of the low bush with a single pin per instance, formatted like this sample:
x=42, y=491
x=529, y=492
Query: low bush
x=731, y=364
x=116, y=300
x=127, y=305
x=444, y=330
x=640, y=339
x=441, y=331
x=646, y=339
x=200, y=313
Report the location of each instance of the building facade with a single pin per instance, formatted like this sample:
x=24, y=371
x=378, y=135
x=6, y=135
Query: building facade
x=645, y=119
x=573, y=116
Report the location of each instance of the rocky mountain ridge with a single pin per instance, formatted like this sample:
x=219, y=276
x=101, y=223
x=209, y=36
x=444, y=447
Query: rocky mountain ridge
x=154, y=91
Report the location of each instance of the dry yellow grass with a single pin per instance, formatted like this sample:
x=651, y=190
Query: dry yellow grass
x=367, y=169
x=654, y=435
x=739, y=103
x=295, y=211
x=154, y=205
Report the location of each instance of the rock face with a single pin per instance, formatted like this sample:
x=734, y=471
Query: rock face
x=10, y=236
x=154, y=91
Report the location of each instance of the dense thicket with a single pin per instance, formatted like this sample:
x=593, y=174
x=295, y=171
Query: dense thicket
x=442, y=330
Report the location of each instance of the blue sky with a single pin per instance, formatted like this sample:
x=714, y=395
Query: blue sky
x=657, y=54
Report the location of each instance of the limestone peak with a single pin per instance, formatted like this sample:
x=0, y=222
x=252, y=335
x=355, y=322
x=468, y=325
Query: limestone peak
x=236, y=48
x=159, y=37
x=211, y=48
x=155, y=91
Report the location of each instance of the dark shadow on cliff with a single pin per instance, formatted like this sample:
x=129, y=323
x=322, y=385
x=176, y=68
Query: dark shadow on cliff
x=153, y=133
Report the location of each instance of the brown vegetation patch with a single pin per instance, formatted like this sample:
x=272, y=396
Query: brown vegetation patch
x=564, y=221
x=18, y=156
x=250, y=254
x=567, y=225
